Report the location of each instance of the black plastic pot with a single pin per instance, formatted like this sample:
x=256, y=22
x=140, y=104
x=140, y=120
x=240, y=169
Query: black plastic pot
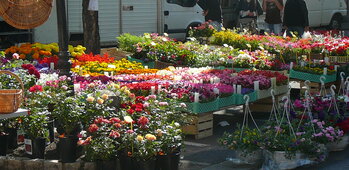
x=175, y=157
x=168, y=162
x=12, y=138
x=107, y=165
x=3, y=144
x=67, y=149
x=143, y=165
x=125, y=161
x=163, y=162
x=39, y=146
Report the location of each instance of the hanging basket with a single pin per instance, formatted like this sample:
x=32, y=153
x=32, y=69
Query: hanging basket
x=25, y=14
x=11, y=99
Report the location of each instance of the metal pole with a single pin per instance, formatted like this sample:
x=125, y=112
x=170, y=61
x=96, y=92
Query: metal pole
x=63, y=62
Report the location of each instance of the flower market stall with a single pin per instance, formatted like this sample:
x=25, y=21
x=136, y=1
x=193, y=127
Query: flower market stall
x=134, y=113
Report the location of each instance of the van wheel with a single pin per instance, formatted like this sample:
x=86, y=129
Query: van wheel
x=336, y=22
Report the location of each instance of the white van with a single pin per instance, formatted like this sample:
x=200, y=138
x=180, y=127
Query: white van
x=320, y=13
x=126, y=16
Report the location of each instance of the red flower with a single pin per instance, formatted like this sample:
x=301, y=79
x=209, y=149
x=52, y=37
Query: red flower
x=35, y=88
x=93, y=128
x=130, y=111
x=123, y=105
x=138, y=110
x=115, y=120
x=143, y=121
x=98, y=120
x=114, y=134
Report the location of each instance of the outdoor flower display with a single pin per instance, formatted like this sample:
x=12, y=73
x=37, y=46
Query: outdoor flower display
x=203, y=30
x=120, y=109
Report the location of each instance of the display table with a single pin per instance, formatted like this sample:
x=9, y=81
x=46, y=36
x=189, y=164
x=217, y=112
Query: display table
x=20, y=112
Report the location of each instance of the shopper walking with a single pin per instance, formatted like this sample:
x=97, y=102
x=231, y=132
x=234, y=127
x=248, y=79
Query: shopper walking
x=273, y=10
x=296, y=17
x=212, y=12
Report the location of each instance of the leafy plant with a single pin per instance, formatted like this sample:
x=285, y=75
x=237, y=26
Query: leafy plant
x=127, y=42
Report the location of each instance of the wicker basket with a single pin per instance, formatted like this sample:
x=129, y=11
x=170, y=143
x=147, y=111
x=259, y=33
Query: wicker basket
x=25, y=14
x=11, y=99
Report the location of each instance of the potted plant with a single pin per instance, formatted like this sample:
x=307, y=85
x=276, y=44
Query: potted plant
x=246, y=142
x=67, y=114
x=35, y=124
x=103, y=142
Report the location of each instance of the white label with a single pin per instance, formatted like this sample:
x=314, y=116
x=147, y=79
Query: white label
x=327, y=60
x=256, y=85
x=52, y=66
x=28, y=146
x=325, y=71
x=93, y=5
x=238, y=91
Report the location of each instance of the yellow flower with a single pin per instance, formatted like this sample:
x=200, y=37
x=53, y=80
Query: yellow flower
x=140, y=138
x=90, y=99
x=105, y=96
x=100, y=101
x=150, y=137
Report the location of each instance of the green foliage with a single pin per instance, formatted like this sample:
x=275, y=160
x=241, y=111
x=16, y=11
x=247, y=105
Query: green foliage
x=127, y=42
x=100, y=148
x=249, y=141
x=68, y=112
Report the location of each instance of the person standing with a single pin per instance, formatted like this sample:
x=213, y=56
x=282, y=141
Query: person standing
x=212, y=12
x=248, y=12
x=296, y=17
x=273, y=10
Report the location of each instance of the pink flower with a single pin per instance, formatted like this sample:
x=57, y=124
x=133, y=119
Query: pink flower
x=163, y=103
x=114, y=134
x=143, y=121
x=146, y=104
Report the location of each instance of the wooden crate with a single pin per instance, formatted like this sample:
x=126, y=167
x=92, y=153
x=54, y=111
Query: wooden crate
x=201, y=126
x=265, y=105
x=115, y=52
x=315, y=87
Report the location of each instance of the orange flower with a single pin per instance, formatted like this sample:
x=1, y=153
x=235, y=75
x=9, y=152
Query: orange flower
x=36, y=56
x=22, y=56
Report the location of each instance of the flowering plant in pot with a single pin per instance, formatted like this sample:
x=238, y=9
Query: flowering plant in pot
x=283, y=138
x=67, y=114
x=103, y=141
x=203, y=30
x=246, y=142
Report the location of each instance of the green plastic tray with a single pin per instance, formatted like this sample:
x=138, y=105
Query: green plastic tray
x=312, y=77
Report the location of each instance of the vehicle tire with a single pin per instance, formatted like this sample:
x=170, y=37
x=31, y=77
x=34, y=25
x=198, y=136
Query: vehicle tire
x=336, y=22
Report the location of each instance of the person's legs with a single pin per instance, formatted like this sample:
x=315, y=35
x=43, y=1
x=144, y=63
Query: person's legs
x=277, y=29
x=271, y=28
